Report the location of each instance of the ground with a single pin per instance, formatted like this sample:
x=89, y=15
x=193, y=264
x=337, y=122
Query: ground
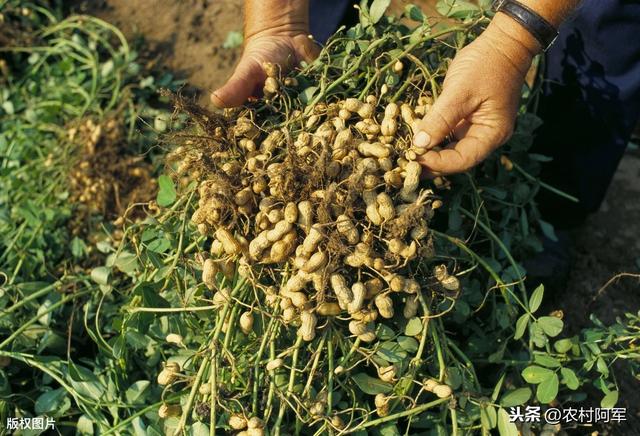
x=606, y=245
x=187, y=38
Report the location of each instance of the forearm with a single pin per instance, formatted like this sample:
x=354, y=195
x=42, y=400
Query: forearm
x=275, y=16
x=554, y=11
x=515, y=41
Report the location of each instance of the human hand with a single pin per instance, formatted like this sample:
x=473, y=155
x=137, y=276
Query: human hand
x=282, y=40
x=479, y=99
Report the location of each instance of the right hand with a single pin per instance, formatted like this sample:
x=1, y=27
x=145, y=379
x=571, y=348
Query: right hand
x=479, y=99
x=286, y=48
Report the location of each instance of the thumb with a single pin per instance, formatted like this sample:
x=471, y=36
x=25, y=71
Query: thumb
x=240, y=86
x=448, y=110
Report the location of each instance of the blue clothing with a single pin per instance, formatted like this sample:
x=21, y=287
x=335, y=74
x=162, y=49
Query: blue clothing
x=590, y=102
x=590, y=106
x=326, y=16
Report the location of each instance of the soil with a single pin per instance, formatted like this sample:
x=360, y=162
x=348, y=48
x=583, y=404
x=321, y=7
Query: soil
x=605, y=247
x=187, y=37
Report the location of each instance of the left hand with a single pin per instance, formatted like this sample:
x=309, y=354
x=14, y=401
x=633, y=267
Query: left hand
x=284, y=48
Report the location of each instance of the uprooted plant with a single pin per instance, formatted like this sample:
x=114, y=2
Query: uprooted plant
x=338, y=290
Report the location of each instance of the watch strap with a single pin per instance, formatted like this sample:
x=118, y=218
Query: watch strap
x=541, y=29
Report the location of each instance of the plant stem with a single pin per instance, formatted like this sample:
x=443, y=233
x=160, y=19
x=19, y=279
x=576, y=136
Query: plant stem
x=506, y=252
x=35, y=319
x=292, y=379
x=454, y=421
x=214, y=390
x=32, y=297
x=186, y=412
x=203, y=366
x=544, y=185
x=271, y=327
x=330, y=375
x=395, y=416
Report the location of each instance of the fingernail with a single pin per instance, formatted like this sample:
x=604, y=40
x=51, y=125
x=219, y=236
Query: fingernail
x=422, y=139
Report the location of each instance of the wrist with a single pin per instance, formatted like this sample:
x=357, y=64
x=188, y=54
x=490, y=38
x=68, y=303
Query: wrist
x=275, y=18
x=514, y=41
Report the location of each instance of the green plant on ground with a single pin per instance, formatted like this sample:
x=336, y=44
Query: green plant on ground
x=71, y=94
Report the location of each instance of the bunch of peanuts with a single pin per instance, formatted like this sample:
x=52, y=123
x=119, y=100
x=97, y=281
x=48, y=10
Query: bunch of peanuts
x=331, y=198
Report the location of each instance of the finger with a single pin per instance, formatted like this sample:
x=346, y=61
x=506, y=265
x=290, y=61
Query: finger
x=240, y=86
x=461, y=129
x=448, y=110
x=463, y=155
x=307, y=48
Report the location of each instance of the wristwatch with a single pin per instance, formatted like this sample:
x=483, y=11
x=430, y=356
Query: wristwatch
x=541, y=29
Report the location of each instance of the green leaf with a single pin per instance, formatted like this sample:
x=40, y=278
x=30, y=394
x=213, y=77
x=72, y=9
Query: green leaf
x=78, y=247
x=551, y=325
x=389, y=430
x=505, y=426
x=154, y=432
x=137, y=391
x=536, y=298
x=139, y=428
x=160, y=123
x=569, y=378
x=370, y=385
x=537, y=335
x=521, y=326
x=391, y=352
x=536, y=374
x=485, y=4
x=546, y=360
x=548, y=230
x=488, y=417
x=159, y=245
x=100, y=275
x=147, y=82
x=563, y=345
x=126, y=262
x=497, y=388
x=609, y=400
x=515, y=397
x=377, y=10
x=85, y=382
x=8, y=107
x=453, y=377
x=167, y=192
x=602, y=367
x=85, y=425
x=385, y=333
x=44, y=317
x=414, y=327
x=50, y=401
x=414, y=13
x=408, y=344
x=307, y=95
x=199, y=429
x=548, y=389
x=460, y=9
